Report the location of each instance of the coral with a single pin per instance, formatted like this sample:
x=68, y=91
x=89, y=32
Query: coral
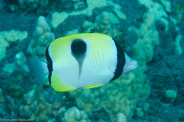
x=171, y=94
x=75, y=115
x=25, y=111
x=87, y=26
x=166, y=4
x=41, y=37
x=79, y=4
x=153, y=10
x=115, y=97
x=15, y=90
x=105, y=22
x=178, y=48
x=9, y=37
x=40, y=6
x=32, y=4
x=147, y=39
x=59, y=17
x=179, y=11
x=75, y=31
x=4, y=44
x=35, y=106
x=18, y=67
x=148, y=36
x=30, y=97
x=139, y=112
x=8, y=104
x=2, y=102
x=121, y=118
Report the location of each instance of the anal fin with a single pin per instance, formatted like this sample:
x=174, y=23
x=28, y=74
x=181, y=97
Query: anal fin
x=59, y=85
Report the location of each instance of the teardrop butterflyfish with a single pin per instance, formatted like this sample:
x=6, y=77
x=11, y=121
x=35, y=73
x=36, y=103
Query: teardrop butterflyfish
x=85, y=60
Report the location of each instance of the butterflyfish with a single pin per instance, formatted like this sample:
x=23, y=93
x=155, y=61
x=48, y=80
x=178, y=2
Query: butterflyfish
x=85, y=60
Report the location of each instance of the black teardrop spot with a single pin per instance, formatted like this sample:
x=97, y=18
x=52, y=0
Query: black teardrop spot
x=78, y=47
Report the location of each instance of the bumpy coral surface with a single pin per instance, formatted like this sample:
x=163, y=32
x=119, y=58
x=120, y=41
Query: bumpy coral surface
x=41, y=38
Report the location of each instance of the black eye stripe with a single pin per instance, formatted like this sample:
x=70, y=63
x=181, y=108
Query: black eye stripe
x=49, y=63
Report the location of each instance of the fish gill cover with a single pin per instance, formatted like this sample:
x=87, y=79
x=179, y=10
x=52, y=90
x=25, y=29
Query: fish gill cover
x=150, y=31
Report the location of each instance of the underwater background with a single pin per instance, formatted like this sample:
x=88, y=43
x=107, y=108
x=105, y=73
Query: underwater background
x=150, y=31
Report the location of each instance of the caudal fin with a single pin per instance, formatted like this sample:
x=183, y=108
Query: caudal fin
x=130, y=64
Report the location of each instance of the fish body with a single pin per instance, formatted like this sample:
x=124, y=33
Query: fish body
x=85, y=60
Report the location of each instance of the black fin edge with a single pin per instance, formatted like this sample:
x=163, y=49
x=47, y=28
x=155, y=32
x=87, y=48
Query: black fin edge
x=120, y=62
x=49, y=64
